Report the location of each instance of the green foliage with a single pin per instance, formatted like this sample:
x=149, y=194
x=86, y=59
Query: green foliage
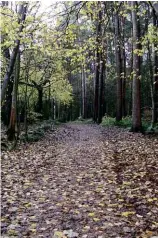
x=33, y=117
x=108, y=121
x=125, y=122
x=152, y=129
x=37, y=131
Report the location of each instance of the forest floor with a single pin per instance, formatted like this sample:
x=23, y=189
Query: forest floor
x=82, y=181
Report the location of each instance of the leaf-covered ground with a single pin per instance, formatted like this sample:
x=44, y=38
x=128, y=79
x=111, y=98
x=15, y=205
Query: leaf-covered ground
x=82, y=181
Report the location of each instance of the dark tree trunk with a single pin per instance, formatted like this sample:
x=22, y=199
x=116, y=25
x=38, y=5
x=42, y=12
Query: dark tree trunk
x=6, y=108
x=118, y=68
x=124, y=112
x=84, y=109
x=101, y=100
x=155, y=75
x=97, y=67
x=40, y=99
x=136, y=104
x=13, y=116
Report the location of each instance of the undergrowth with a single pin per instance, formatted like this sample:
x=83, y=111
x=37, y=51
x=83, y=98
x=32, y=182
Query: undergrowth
x=126, y=122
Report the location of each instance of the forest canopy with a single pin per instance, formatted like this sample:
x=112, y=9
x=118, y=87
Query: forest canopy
x=81, y=59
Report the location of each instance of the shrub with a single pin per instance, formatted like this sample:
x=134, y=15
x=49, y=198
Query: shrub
x=34, y=117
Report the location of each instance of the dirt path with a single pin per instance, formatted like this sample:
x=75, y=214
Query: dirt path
x=83, y=180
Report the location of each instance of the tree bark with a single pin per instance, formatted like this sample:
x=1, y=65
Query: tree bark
x=124, y=112
x=101, y=100
x=84, y=110
x=40, y=99
x=155, y=75
x=11, y=133
x=118, y=68
x=136, y=103
x=97, y=66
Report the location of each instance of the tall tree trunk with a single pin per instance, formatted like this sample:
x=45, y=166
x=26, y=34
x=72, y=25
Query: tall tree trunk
x=155, y=75
x=124, y=112
x=22, y=13
x=97, y=66
x=136, y=104
x=84, y=109
x=118, y=68
x=101, y=100
x=13, y=116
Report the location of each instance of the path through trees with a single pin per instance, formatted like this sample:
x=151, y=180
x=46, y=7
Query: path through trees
x=81, y=181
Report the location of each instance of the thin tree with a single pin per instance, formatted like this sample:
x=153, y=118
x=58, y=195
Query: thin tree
x=97, y=65
x=118, y=67
x=136, y=97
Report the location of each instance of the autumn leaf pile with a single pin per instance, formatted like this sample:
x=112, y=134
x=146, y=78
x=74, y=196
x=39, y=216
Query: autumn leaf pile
x=82, y=181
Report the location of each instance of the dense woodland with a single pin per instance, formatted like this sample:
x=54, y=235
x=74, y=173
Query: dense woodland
x=78, y=79
x=78, y=60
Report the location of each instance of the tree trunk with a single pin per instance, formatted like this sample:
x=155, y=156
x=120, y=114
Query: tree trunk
x=101, y=89
x=97, y=66
x=124, y=112
x=84, y=110
x=155, y=75
x=22, y=13
x=118, y=68
x=40, y=99
x=13, y=116
x=136, y=104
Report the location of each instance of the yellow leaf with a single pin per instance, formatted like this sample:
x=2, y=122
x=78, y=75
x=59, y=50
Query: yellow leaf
x=12, y=232
x=155, y=223
x=152, y=199
x=86, y=227
x=28, y=204
x=91, y=214
x=110, y=181
x=59, y=234
x=126, y=183
x=121, y=200
x=96, y=219
x=33, y=225
x=77, y=212
x=126, y=214
x=101, y=204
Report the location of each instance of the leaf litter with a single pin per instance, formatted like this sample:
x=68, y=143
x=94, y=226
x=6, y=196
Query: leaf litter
x=82, y=181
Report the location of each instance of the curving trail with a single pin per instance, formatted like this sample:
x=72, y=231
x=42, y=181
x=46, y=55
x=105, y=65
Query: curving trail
x=82, y=181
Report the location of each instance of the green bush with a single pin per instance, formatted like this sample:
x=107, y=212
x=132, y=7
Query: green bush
x=126, y=122
x=108, y=121
x=34, y=117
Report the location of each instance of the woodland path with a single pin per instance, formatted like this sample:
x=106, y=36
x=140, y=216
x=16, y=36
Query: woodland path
x=82, y=181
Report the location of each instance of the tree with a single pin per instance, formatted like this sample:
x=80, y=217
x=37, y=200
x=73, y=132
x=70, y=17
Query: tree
x=13, y=116
x=118, y=67
x=22, y=13
x=136, y=104
x=97, y=64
